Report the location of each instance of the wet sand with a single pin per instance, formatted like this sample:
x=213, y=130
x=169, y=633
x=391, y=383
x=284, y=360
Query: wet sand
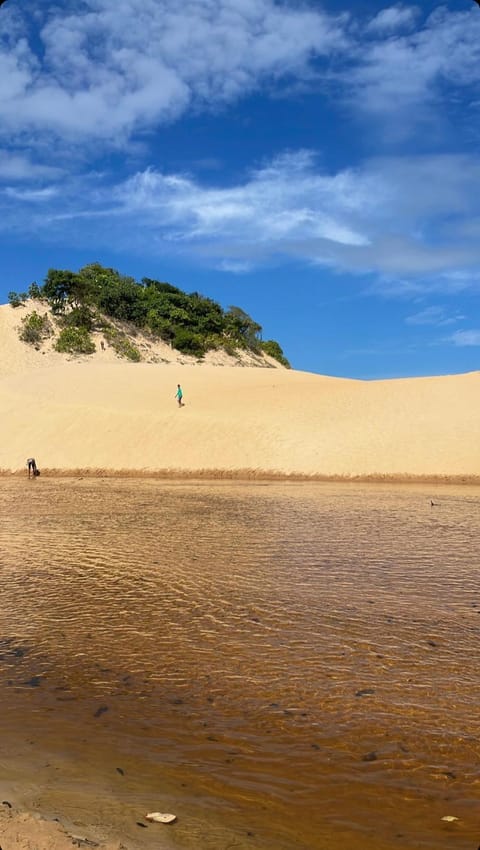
x=281, y=665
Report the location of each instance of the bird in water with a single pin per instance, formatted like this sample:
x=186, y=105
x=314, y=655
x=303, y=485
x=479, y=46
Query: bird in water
x=432, y=504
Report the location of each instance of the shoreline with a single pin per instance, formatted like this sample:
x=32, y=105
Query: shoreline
x=250, y=475
x=24, y=829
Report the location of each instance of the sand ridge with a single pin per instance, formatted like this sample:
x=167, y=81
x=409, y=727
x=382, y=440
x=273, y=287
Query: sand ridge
x=110, y=415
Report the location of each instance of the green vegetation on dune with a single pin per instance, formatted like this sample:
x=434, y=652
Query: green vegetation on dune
x=94, y=297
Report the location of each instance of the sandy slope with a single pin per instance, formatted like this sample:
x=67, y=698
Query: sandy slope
x=111, y=415
x=16, y=356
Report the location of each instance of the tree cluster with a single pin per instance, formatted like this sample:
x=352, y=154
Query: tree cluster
x=190, y=323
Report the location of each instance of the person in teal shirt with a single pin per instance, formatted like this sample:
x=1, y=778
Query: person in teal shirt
x=179, y=395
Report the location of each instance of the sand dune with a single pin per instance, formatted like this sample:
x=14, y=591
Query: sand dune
x=108, y=415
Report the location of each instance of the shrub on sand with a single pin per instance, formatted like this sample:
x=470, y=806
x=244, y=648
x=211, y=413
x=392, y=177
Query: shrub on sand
x=75, y=341
x=35, y=328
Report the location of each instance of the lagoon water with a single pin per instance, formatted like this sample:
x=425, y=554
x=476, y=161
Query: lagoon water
x=285, y=666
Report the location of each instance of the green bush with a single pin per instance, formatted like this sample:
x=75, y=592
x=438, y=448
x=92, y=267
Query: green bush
x=35, y=328
x=188, y=342
x=34, y=291
x=78, y=317
x=271, y=347
x=16, y=299
x=75, y=341
x=121, y=344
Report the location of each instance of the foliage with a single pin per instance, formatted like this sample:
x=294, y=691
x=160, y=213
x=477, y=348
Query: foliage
x=16, y=299
x=188, y=342
x=121, y=343
x=34, y=291
x=191, y=323
x=75, y=341
x=57, y=288
x=242, y=328
x=273, y=349
x=78, y=317
x=35, y=328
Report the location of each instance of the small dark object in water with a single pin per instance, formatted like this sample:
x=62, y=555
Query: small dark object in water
x=370, y=756
x=6, y=803
x=34, y=682
x=120, y=771
x=365, y=692
x=139, y=823
x=101, y=710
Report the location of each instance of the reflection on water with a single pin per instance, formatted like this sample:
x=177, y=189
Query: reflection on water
x=282, y=665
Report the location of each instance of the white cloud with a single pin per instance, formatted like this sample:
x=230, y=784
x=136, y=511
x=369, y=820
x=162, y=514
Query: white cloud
x=399, y=218
x=392, y=217
x=435, y=315
x=44, y=194
x=392, y=18
x=19, y=167
x=390, y=75
x=106, y=72
x=234, y=267
x=465, y=338
x=108, y=69
x=286, y=200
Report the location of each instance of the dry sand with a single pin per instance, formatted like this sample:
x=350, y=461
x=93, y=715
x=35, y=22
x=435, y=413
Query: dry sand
x=27, y=831
x=103, y=415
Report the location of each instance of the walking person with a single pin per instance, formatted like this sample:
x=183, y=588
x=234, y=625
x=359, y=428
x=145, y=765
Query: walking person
x=179, y=395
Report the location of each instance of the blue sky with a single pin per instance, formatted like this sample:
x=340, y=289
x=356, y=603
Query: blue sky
x=316, y=164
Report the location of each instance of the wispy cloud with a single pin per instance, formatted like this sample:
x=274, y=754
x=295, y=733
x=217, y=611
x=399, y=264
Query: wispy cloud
x=392, y=18
x=402, y=75
x=436, y=315
x=39, y=195
x=465, y=338
x=398, y=218
x=14, y=166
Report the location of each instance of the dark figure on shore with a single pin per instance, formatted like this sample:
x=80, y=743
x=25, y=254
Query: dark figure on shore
x=32, y=470
x=179, y=395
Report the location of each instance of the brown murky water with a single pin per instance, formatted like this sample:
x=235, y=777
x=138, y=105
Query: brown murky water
x=284, y=666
